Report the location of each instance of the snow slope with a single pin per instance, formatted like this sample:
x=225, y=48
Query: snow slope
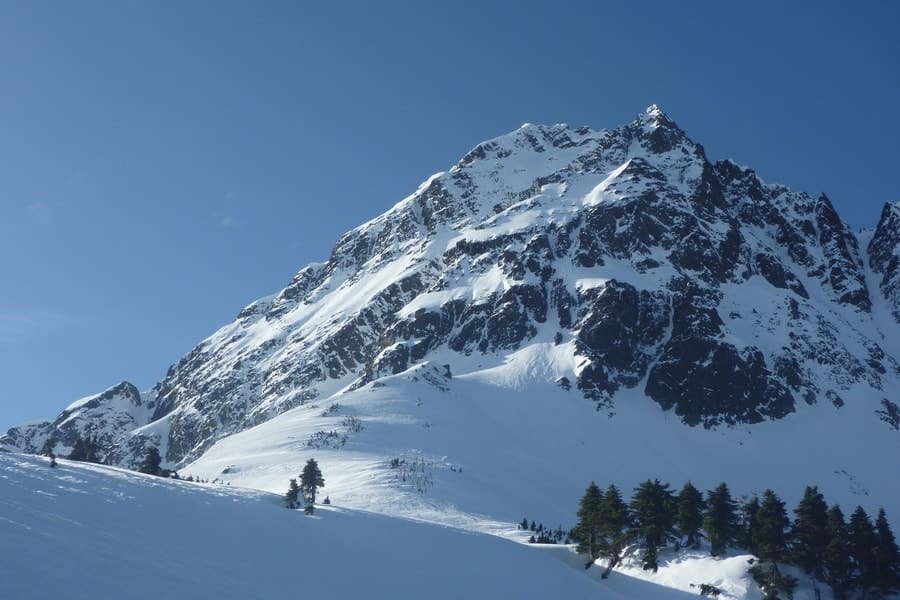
x=90, y=532
x=473, y=439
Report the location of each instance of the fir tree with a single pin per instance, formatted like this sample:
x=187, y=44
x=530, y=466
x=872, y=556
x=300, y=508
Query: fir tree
x=151, y=463
x=587, y=530
x=613, y=523
x=887, y=556
x=720, y=522
x=311, y=480
x=292, y=495
x=769, y=535
x=749, y=511
x=862, y=541
x=809, y=534
x=524, y=524
x=690, y=514
x=653, y=518
x=836, y=566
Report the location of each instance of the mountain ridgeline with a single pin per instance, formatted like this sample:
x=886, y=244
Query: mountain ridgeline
x=722, y=298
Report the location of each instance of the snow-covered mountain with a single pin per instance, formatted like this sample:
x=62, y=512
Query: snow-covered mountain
x=563, y=304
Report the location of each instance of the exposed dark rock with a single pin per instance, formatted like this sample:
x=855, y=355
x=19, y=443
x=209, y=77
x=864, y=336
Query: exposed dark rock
x=889, y=413
x=844, y=268
x=884, y=256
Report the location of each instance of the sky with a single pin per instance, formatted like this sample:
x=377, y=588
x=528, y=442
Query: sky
x=163, y=164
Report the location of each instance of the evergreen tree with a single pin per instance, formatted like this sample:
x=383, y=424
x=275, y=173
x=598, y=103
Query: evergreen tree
x=151, y=463
x=587, y=530
x=862, y=541
x=720, y=522
x=653, y=518
x=292, y=495
x=690, y=514
x=769, y=535
x=887, y=556
x=524, y=524
x=836, y=566
x=311, y=480
x=749, y=511
x=613, y=524
x=809, y=534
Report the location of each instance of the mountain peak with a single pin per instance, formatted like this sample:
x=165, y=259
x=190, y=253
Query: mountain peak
x=654, y=111
x=661, y=132
x=653, y=117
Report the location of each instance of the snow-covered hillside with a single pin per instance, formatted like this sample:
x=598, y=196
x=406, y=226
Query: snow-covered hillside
x=485, y=449
x=88, y=532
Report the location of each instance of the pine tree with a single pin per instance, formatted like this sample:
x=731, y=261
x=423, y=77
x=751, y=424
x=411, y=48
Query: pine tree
x=809, y=534
x=151, y=463
x=770, y=539
x=769, y=535
x=292, y=495
x=837, y=568
x=653, y=518
x=690, y=514
x=524, y=524
x=311, y=480
x=613, y=524
x=862, y=541
x=587, y=530
x=887, y=556
x=720, y=521
x=749, y=511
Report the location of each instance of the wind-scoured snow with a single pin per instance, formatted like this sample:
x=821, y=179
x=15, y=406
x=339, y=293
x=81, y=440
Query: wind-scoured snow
x=89, y=532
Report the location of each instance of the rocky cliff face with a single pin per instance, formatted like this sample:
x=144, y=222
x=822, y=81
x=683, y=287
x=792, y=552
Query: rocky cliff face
x=884, y=256
x=723, y=298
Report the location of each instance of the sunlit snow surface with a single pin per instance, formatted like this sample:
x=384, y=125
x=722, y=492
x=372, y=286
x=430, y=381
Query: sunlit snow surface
x=82, y=531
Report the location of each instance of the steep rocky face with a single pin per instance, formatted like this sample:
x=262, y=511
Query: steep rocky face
x=884, y=256
x=724, y=299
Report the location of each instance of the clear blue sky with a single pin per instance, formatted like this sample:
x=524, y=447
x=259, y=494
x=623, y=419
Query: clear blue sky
x=162, y=164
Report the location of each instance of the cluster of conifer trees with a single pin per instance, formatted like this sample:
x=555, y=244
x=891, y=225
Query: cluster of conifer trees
x=310, y=481
x=848, y=555
x=542, y=535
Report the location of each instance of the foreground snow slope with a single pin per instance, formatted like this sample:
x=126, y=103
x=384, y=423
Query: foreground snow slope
x=85, y=531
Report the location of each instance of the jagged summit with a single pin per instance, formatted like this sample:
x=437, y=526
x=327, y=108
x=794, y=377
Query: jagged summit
x=620, y=261
x=653, y=116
